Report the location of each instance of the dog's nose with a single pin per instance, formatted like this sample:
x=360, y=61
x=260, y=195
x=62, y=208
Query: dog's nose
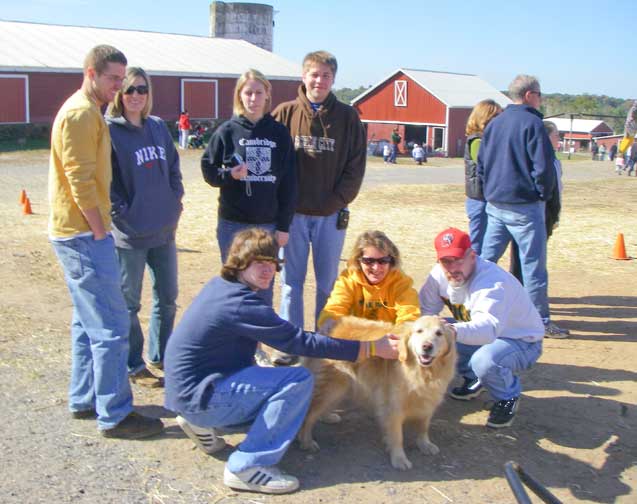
x=427, y=347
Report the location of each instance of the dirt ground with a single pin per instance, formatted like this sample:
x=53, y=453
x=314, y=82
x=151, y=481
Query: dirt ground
x=576, y=431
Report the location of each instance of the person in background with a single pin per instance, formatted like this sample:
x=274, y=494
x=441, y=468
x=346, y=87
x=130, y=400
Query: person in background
x=475, y=204
x=212, y=381
x=184, y=129
x=395, y=141
x=612, y=152
x=516, y=165
x=553, y=209
x=79, y=229
x=250, y=159
x=330, y=144
x=386, y=153
x=418, y=153
x=146, y=196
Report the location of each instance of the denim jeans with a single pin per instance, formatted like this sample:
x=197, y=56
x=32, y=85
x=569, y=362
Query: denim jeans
x=327, y=244
x=498, y=364
x=273, y=400
x=225, y=233
x=99, y=329
x=476, y=211
x=162, y=265
x=524, y=224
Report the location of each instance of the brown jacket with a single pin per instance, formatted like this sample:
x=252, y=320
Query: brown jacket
x=330, y=152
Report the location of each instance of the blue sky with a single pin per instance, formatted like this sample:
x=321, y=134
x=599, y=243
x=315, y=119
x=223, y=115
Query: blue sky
x=571, y=46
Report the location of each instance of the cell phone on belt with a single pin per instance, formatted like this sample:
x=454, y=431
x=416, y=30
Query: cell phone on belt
x=342, y=219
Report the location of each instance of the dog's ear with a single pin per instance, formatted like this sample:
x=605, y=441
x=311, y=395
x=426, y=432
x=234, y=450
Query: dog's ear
x=403, y=346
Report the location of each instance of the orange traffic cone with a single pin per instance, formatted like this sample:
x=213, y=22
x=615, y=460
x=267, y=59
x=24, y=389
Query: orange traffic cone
x=26, y=208
x=619, y=250
x=23, y=196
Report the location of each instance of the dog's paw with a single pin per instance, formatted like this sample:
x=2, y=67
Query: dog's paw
x=309, y=445
x=400, y=461
x=427, y=447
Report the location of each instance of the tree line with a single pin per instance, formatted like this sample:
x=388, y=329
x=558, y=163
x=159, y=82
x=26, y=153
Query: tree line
x=594, y=106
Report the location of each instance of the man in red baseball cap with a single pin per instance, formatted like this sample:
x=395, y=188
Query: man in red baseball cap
x=498, y=330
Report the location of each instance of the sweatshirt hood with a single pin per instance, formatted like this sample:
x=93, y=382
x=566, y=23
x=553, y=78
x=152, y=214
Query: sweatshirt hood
x=307, y=106
x=246, y=123
x=121, y=121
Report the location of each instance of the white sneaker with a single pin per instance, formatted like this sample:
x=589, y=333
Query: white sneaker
x=205, y=439
x=552, y=330
x=268, y=480
x=262, y=358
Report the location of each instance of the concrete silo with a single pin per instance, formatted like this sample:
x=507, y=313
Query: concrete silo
x=246, y=21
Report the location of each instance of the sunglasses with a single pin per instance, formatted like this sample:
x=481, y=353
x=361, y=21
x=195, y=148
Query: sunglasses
x=142, y=90
x=368, y=261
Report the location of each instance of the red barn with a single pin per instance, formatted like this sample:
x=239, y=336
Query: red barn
x=41, y=65
x=579, y=133
x=428, y=107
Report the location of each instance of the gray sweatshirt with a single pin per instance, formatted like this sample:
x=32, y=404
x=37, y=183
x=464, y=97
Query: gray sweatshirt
x=146, y=191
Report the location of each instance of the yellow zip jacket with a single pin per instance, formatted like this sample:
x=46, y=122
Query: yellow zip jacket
x=393, y=300
x=79, y=168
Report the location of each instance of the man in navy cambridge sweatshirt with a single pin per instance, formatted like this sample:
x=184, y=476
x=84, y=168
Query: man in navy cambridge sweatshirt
x=516, y=166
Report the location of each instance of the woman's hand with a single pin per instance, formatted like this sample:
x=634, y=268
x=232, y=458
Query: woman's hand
x=240, y=171
x=385, y=348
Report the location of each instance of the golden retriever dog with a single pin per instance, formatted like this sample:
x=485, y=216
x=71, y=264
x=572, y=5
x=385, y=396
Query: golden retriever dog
x=410, y=388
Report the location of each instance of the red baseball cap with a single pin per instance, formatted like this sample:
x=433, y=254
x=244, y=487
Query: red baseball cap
x=452, y=243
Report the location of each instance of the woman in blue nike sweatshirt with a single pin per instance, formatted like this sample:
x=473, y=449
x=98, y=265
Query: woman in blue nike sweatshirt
x=250, y=158
x=146, y=195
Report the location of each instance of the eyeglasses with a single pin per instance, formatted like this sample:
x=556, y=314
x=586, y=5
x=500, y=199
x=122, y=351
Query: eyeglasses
x=539, y=93
x=368, y=261
x=142, y=90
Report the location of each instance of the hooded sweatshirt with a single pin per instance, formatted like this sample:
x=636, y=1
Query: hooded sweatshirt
x=330, y=152
x=268, y=194
x=147, y=189
x=393, y=300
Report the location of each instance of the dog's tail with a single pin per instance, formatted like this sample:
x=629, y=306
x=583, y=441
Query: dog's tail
x=360, y=329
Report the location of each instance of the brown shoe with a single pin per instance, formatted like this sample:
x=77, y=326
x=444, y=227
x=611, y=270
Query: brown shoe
x=135, y=426
x=145, y=378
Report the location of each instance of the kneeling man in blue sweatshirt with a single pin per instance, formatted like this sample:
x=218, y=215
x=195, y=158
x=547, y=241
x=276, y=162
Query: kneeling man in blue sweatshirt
x=213, y=382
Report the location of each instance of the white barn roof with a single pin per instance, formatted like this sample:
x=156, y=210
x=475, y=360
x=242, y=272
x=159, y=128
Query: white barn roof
x=579, y=125
x=35, y=47
x=455, y=90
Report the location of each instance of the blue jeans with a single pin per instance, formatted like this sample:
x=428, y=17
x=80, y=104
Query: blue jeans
x=476, y=211
x=327, y=244
x=225, y=233
x=273, y=400
x=162, y=265
x=524, y=224
x=99, y=329
x=498, y=364
x=393, y=153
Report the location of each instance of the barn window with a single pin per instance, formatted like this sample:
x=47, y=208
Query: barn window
x=199, y=98
x=400, y=93
x=14, y=107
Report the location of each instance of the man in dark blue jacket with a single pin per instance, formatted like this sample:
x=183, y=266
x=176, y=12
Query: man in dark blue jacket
x=515, y=164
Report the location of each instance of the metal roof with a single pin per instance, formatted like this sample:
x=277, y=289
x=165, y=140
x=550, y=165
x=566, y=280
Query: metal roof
x=455, y=90
x=579, y=125
x=35, y=47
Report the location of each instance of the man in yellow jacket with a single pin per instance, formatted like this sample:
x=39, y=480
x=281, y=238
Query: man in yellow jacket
x=79, y=224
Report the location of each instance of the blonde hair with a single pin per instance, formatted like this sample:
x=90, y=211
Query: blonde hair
x=237, y=104
x=116, y=107
x=252, y=244
x=480, y=116
x=376, y=239
x=322, y=57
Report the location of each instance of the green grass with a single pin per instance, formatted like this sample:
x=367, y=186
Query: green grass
x=29, y=144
